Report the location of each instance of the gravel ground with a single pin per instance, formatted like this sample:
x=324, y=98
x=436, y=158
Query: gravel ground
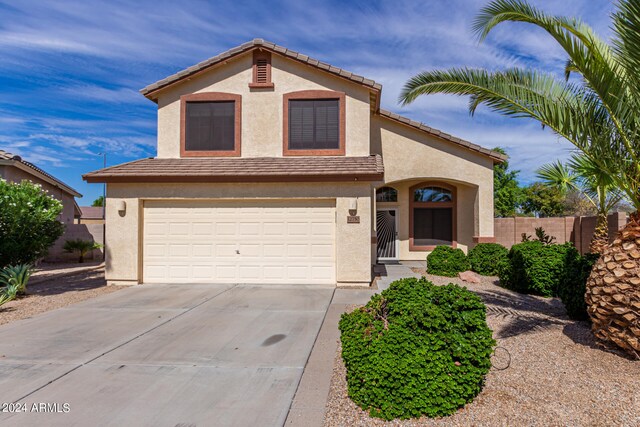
x=56, y=293
x=556, y=376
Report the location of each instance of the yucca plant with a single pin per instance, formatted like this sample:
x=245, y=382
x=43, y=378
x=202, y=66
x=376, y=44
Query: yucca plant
x=81, y=247
x=8, y=293
x=595, y=185
x=599, y=113
x=16, y=276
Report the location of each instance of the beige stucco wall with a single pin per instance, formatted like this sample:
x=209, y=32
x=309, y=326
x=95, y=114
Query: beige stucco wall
x=123, y=240
x=411, y=157
x=14, y=174
x=262, y=109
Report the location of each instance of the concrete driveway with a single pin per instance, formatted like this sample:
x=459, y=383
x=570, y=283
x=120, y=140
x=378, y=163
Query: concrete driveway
x=163, y=355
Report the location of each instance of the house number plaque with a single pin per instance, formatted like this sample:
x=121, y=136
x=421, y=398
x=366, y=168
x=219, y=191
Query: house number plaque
x=353, y=219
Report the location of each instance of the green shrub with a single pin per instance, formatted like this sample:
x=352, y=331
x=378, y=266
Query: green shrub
x=446, y=261
x=416, y=349
x=28, y=222
x=16, y=276
x=572, y=287
x=81, y=247
x=8, y=293
x=486, y=258
x=534, y=268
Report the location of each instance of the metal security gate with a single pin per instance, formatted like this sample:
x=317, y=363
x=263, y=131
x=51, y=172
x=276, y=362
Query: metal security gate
x=387, y=234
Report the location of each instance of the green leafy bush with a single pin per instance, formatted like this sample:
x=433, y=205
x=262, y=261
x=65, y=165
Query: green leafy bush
x=572, y=287
x=16, y=276
x=28, y=222
x=416, y=349
x=446, y=261
x=486, y=258
x=81, y=247
x=534, y=268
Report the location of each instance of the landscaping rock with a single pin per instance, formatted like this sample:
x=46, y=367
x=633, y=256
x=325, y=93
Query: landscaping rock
x=470, y=277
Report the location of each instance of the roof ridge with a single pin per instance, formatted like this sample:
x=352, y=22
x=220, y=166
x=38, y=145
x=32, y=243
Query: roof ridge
x=258, y=43
x=443, y=135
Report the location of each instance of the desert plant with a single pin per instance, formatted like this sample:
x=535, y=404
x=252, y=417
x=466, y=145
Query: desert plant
x=573, y=283
x=8, y=293
x=81, y=247
x=16, y=276
x=541, y=236
x=28, y=222
x=599, y=113
x=534, y=268
x=416, y=349
x=447, y=261
x=486, y=258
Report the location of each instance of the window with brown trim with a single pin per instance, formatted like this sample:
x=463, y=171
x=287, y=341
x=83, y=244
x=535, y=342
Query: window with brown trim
x=210, y=124
x=314, y=123
x=432, y=214
x=261, y=70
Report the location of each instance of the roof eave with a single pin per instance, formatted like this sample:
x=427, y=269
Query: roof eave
x=40, y=175
x=104, y=178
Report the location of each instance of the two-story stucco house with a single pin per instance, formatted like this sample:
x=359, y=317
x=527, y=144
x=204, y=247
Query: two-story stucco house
x=273, y=167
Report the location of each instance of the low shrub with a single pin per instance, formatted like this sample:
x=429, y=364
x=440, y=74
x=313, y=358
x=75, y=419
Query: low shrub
x=486, y=258
x=572, y=287
x=16, y=276
x=81, y=247
x=416, y=349
x=446, y=261
x=535, y=268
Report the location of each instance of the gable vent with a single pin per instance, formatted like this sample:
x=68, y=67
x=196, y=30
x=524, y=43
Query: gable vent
x=261, y=70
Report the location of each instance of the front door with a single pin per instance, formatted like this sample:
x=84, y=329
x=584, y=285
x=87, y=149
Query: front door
x=386, y=231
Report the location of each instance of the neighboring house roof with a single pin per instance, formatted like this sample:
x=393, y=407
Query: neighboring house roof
x=435, y=132
x=257, y=43
x=258, y=169
x=91, y=212
x=15, y=160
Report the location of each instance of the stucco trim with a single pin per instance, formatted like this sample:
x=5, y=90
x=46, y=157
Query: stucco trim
x=204, y=97
x=313, y=94
x=454, y=212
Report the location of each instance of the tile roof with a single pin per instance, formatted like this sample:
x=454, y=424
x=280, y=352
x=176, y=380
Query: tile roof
x=244, y=169
x=421, y=126
x=4, y=155
x=259, y=43
x=91, y=212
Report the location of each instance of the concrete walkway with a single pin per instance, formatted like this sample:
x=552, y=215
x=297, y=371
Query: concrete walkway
x=389, y=273
x=164, y=356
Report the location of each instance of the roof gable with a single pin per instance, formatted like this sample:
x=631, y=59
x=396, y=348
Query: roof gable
x=149, y=91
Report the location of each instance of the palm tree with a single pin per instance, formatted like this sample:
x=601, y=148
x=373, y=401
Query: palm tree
x=580, y=174
x=599, y=113
x=82, y=247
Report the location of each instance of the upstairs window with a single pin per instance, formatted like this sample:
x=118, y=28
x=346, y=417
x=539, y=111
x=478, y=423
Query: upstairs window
x=314, y=123
x=210, y=125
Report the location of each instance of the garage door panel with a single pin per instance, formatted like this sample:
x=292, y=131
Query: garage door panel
x=253, y=242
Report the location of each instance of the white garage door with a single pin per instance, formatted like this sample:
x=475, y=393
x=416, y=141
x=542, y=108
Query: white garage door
x=238, y=242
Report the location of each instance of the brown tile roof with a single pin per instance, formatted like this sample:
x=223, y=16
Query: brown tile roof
x=9, y=157
x=259, y=43
x=499, y=157
x=91, y=212
x=244, y=169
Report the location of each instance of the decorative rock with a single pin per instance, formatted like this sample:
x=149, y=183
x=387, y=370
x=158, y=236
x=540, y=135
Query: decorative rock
x=469, y=276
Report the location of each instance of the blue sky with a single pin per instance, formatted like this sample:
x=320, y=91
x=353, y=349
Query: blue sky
x=70, y=71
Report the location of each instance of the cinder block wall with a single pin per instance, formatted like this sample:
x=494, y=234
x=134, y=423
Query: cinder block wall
x=93, y=232
x=578, y=230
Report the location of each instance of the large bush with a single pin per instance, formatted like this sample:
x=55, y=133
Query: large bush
x=416, y=349
x=535, y=268
x=486, y=258
x=446, y=261
x=28, y=222
x=572, y=287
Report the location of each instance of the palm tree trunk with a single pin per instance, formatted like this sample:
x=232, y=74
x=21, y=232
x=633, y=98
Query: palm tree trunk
x=600, y=238
x=613, y=291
